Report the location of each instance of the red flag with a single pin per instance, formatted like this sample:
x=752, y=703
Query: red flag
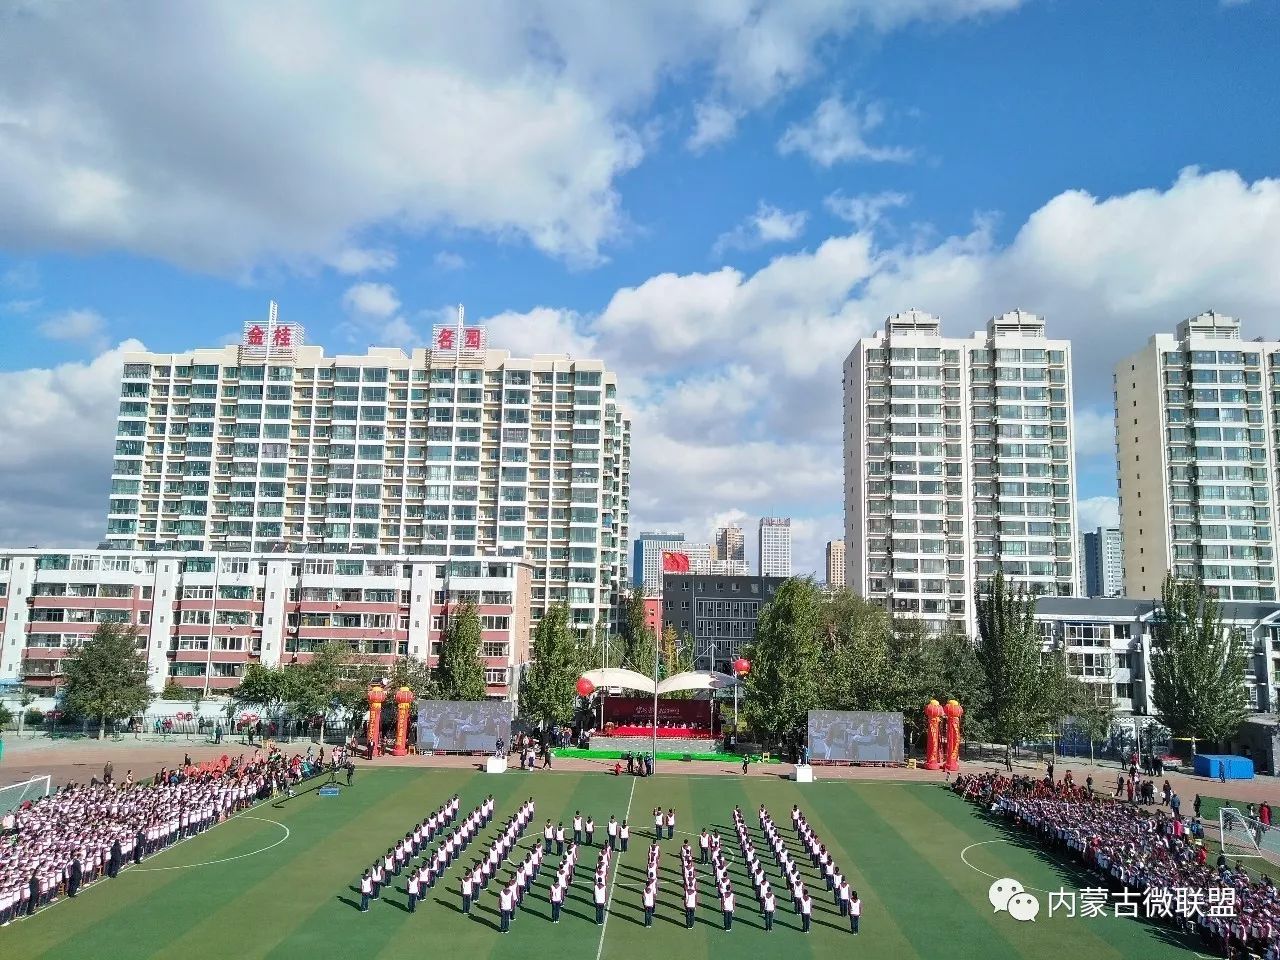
x=675, y=562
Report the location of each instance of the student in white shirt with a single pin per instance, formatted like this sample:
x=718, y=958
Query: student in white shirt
x=577, y=827
x=598, y=892
x=624, y=834
x=690, y=906
x=649, y=899
x=366, y=890
x=768, y=906
x=591, y=830
x=468, y=892
x=612, y=828
x=806, y=911
x=557, y=900
x=855, y=911
x=506, y=904
x=412, y=889
x=726, y=904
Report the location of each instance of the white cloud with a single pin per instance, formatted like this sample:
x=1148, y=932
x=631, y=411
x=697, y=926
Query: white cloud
x=75, y=325
x=1095, y=429
x=446, y=260
x=864, y=209
x=372, y=299
x=732, y=380
x=713, y=123
x=59, y=430
x=319, y=123
x=1095, y=512
x=357, y=260
x=768, y=224
x=837, y=132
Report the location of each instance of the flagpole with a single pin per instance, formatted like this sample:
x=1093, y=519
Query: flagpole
x=655, y=708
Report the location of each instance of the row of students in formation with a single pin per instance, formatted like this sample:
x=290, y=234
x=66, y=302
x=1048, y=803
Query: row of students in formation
x=584, y=830
x=485, y=869
x=415, y=841
x=821, y=859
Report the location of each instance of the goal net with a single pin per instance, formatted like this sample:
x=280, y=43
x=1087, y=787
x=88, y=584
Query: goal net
x=1244, y=836
x=16, y=794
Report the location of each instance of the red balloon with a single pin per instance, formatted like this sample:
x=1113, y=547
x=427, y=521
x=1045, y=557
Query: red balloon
x=585, y=687
x=742, y=666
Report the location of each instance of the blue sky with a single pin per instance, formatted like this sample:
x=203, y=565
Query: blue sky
x=719, y=200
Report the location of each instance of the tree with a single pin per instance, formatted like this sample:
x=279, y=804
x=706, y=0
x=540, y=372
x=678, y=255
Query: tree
x=1197, y=664
x=174, y=691
x=1025, y=691
x=676, y=657
x=787, y=667
x=855, y=639
x=961, y=678
x=548, y=693
x=269, y=688
x=637, y=638
x=106, y=676
x=460, y=670
x=1093, y=711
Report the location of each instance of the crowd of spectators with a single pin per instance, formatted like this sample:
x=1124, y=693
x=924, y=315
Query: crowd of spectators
x=82, y=834
x=1158, y=855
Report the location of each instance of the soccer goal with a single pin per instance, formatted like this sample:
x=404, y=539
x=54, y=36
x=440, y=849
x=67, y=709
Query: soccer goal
x=16, y=794
x=1243, y=836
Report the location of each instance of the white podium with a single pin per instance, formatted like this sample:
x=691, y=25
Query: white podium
x=803, y=773
x=495, y=764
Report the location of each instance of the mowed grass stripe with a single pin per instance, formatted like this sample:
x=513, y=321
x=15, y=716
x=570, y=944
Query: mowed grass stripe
x=881, y=931
x=896, y=861
x=327, y=920
x=667, y=938
x=962, y=823
x=577, y=935
x=786, y=937
x=130, y=906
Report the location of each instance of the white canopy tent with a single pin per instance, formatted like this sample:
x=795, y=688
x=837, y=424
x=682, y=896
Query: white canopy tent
x=692, y=680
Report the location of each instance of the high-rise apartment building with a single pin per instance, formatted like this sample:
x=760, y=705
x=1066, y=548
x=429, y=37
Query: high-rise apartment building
x=1102, y=559
x=958, y=462
x=646, y=559
x=729, y=544
x=1198, y=450
x=455, y=451
x=775, y=547
x=835, y=565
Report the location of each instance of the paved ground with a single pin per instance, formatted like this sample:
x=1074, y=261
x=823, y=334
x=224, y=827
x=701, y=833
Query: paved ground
x=79, y=760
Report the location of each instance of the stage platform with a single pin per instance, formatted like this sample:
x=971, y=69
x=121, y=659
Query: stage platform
x=675, y=745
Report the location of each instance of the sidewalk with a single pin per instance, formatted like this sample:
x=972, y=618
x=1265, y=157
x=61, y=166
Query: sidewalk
x=79, y=760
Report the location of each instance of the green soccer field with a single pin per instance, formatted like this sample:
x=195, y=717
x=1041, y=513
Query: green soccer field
x=278, y=881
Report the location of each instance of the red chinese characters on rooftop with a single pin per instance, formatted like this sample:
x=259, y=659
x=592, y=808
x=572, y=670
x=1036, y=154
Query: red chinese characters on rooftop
x=255, y=336
x=469, y=340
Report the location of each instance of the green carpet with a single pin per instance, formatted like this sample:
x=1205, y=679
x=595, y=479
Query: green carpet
x=620, y=754
x=248, y=889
